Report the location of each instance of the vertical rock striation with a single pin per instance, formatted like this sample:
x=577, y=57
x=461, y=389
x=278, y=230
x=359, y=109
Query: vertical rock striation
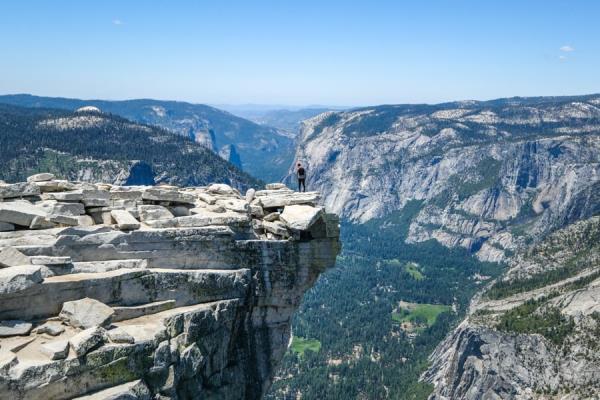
x=486, y=176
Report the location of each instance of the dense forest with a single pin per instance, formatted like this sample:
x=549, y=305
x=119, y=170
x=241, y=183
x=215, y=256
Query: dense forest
x=99, y=145
x=353, y=344
x=265, y=152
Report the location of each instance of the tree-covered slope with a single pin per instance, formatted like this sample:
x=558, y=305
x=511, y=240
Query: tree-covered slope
x=102, y=147
x=353, y=313
x=265, y=152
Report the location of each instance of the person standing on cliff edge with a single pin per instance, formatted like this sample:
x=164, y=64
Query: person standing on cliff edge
x=301, y=173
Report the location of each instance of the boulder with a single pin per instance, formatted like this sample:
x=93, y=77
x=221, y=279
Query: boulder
x=62, y=208
x=40, y=222
x=125, y=220
x=150, y=212
x=44, y=176
x=277, y=192
x=256, y=211
x=288, y=199
x=221, y=188
x=274, y=216
x=64, y=196
x=49, y=260
x=96, y=198
x=125, y=194
x=54, y=186
x=6, y=227
x=300, y=217
x=86, y=340
x=257, y=224
x=101, y=217
x=57, y=350
x=85, y=220
x=17, y=279
x=250, y=193
x=236, y=205
x=277, y=228
x=173, y=196
x=11, y=257
x=275, y=186
x=20, y=213
x=14, y=328
x=86, y=313
x=50, y=328
x=12, y=190
x=119, y=335
x=207, y=198
x=63, y=220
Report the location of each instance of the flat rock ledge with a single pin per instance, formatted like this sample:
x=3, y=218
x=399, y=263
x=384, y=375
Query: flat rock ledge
x=158, y=292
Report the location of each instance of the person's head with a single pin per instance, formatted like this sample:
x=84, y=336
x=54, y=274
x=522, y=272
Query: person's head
x=299, y=164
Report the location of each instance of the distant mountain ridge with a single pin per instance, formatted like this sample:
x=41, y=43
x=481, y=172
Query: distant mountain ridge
x=286, y=119
x=263, y=151
x=487, y=175
x=101, y=147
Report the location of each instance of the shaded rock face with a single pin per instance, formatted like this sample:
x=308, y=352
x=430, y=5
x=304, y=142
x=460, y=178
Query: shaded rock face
x=479, y=170
x=199, y=309
x=140, y=174
x=535, y=332
x=230, y=154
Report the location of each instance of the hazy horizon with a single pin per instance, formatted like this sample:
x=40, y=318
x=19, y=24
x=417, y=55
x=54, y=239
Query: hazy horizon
x=298, y=54
x=289, y=107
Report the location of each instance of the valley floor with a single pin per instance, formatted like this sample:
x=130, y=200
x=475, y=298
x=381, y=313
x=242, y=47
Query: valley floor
x=366, y=329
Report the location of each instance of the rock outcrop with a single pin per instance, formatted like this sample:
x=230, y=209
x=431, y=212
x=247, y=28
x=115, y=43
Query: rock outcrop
x=152, y=292
x=534, y=333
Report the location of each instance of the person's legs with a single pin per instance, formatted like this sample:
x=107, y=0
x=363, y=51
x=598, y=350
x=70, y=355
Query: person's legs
x=303, y=183
x=299, y=182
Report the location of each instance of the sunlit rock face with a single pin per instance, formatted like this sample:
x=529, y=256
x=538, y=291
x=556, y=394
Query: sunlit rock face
x=152, y=292
x=486, y=175
x=533, y=334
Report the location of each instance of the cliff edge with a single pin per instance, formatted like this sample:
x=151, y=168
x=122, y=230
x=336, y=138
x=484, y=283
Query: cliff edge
x=152, y=292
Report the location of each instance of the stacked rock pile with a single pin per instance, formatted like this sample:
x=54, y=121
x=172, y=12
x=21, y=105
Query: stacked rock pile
x=44, y=202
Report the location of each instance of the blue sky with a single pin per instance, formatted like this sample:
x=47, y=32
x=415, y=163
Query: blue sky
x=300, y=52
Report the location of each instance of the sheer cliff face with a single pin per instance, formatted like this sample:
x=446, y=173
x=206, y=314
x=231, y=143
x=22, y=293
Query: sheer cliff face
x=481, y=170
x=140, y=292
x=535, y=332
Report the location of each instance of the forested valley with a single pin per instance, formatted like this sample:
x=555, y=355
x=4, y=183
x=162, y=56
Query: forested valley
x=366, y=329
